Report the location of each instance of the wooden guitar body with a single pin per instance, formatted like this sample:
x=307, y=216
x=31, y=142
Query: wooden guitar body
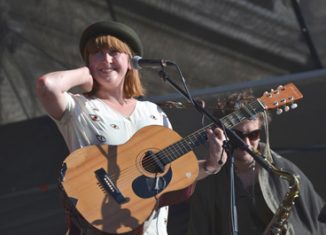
x=136, y=177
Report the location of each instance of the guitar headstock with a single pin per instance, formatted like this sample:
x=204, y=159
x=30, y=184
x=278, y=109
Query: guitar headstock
x=283, y=97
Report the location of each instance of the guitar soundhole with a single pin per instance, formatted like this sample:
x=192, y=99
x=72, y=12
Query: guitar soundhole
x=152, y=163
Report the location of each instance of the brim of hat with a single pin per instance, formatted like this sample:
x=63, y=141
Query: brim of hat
x=113, y=28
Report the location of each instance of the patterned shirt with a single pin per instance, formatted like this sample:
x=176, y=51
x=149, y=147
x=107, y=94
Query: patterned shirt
x=89, y=121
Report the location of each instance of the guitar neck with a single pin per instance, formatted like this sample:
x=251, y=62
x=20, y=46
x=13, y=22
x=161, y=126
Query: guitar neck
x=199, y=137
x=245, y=112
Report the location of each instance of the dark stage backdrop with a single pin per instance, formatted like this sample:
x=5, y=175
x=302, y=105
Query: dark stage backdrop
x=31, y=156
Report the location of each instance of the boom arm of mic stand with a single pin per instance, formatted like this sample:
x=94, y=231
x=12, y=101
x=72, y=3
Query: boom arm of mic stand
x=237, y=142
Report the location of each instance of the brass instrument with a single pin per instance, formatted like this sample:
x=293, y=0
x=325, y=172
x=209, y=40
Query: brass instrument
x=279, y=222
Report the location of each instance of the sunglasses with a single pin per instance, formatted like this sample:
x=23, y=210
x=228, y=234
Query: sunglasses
x=252, y=136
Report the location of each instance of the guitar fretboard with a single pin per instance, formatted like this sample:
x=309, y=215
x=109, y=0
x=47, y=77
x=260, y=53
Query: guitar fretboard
x=199, y=137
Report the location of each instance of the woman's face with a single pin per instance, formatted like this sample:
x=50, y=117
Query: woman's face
x=109, y=68
x=249, y=132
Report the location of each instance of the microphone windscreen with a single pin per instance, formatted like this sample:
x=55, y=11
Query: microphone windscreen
x=135, y=62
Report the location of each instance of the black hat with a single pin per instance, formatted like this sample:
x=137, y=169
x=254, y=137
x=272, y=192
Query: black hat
x=116, y=29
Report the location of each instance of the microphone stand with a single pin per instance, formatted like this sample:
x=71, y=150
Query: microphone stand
x=232, y=142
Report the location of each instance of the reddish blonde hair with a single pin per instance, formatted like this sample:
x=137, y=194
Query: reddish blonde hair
x=132, y=86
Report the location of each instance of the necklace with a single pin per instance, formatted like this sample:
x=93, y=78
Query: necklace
x=248, y=179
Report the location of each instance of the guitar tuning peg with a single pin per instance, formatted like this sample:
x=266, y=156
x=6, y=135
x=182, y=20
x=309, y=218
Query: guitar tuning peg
x=294, y=106
x=279, y=111
x=274, y=91
x=267, y=94
x=280, y=87
x=286, y=108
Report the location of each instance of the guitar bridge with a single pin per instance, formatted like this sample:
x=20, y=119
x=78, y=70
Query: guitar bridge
x=109, y=187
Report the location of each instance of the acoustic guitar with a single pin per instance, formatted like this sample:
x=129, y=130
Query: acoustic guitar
x=116, y=188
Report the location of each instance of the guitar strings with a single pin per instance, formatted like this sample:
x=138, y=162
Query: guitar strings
x=185, y=145
x=180, y=146
x=229, y=121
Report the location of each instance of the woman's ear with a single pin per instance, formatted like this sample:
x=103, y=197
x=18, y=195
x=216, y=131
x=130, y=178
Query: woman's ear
x=129, y=64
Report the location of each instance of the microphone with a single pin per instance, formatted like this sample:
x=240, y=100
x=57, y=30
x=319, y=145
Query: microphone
x=138, y=62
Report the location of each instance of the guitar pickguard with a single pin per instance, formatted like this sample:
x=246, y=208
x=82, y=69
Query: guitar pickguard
x=146, y=187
